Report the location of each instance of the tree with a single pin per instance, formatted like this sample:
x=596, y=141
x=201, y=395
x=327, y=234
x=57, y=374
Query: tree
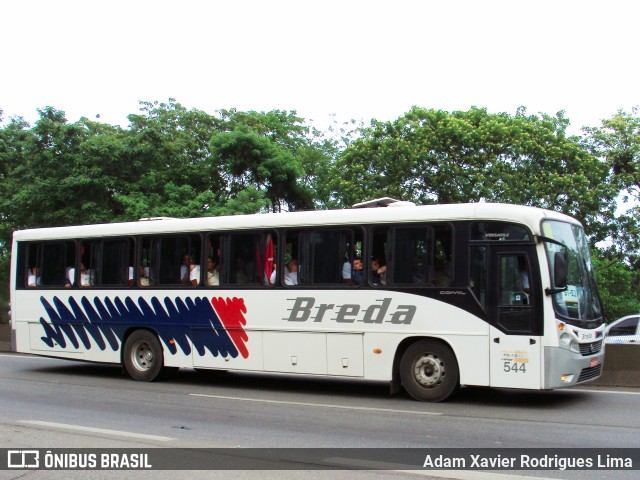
x=168, y=165
x=619, y=286
x=52, y=180
x=617, y=143
x=266, y=150
x=12, y=139
x=433, y=156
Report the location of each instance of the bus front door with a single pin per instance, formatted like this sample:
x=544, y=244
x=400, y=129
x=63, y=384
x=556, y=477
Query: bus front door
x=515, y=311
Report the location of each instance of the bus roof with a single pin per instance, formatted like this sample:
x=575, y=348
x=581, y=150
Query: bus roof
x=530, y=216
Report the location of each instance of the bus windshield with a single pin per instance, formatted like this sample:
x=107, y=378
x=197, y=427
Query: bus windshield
x=577, y=304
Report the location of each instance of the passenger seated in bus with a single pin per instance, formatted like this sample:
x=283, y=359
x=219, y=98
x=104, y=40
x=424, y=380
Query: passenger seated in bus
x=291, y=272
x=34, y=279
x=144, y=276
x=185, y=271
x=524, y=276
x=70, y=277
x=86, y=279
x=378, y=273
x=357, y=271
x=346, y=271
x=523, y=280
x=194, y=273
x=274, y=276
x=515, y=282
x=213, y=276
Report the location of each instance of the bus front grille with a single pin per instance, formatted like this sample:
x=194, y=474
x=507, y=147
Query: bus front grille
x=590, y=348
x=589, y=373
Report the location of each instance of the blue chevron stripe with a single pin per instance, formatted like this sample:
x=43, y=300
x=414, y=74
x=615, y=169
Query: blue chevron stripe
x=103, y=323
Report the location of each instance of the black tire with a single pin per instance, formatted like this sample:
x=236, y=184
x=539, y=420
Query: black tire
x=429, y=371
x=142, y=356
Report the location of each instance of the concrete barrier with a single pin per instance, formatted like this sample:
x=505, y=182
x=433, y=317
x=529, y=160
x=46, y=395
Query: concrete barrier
x=621, y=366
x=621, y=362
x=5, y=337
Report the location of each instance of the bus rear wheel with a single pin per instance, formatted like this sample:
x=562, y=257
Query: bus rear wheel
x=142, y=356
x=429, y=371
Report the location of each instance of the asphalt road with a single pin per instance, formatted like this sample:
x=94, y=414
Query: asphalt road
x=51, y=403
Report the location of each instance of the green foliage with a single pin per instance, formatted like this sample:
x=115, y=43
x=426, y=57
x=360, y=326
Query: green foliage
x=168, y=168
x=52, y=177
x=617, y=142
x=252, y=159
x=5, y=258
x=250, y=200
x=267, y=151
x=619, y=286
x=432, y=156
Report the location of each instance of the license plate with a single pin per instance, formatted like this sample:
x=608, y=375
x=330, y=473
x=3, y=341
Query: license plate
x=594, y=362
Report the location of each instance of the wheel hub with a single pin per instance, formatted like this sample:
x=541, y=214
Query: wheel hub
x=142, y=357
x=429, y=371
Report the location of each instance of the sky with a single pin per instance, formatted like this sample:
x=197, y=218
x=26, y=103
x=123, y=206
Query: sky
x=349, y=58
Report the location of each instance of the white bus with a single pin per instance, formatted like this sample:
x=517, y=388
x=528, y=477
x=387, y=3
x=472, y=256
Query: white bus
x=427, y=298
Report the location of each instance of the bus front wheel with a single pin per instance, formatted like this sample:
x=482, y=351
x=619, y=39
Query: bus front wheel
x=429, y=371
x=142, y=356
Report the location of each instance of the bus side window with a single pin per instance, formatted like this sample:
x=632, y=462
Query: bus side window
x=173, y=260
x=325, y=254
x=49, y=261
x=251, y=259
x=514, y=280
x=320, y=257
x=113, y=262
x=244, y=263
x=412, y=255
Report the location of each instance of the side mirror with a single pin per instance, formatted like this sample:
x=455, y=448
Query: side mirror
x=560, y=270
x=559, y=274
